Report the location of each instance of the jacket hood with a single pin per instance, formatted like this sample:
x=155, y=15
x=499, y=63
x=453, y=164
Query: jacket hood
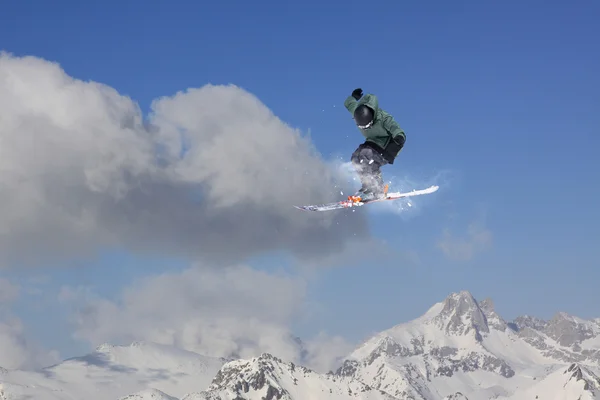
x=371, y=101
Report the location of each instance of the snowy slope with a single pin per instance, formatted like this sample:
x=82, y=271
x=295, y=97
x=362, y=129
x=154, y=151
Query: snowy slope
x=565, y=383
x=112, y=372
x=149, y=394
x=461, y=347
x=267, y=377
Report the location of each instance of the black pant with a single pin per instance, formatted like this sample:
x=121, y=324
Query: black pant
x=367, y=163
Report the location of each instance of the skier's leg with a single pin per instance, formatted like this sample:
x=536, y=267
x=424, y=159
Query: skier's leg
x=358, y=162
x=374, y=179
x=368, y=163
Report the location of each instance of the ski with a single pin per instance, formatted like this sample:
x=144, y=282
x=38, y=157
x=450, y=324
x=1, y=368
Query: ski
x=355, y=201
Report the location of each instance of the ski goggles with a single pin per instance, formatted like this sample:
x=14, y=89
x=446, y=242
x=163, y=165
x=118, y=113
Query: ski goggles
x=367, y=126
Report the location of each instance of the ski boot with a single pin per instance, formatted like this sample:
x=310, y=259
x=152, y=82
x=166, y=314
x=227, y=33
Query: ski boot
x=367, y=194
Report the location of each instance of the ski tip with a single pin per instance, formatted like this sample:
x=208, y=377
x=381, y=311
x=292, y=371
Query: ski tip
x=430, y=189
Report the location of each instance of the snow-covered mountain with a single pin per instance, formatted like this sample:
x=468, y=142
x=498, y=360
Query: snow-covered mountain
x=267, y=377
x=112, y=372
x=459, y=349
x=564, y=383
x=149, y=394
x=564, y=337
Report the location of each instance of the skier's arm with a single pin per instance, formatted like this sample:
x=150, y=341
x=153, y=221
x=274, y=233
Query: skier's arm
x=394, y=129
x=352, y=101
x=351, y=104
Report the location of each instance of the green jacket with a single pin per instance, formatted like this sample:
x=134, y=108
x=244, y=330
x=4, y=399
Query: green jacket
x=384, y=127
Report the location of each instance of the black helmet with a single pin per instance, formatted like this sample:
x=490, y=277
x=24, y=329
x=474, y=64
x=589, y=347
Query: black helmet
x=363, y=115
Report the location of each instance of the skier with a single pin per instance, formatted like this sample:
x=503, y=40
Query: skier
x=383, y=141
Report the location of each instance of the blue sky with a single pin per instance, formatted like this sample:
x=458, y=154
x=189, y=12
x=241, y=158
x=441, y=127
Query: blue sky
x=501, y=100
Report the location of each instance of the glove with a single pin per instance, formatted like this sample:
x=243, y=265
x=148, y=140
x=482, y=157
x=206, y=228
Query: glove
x=357, y=93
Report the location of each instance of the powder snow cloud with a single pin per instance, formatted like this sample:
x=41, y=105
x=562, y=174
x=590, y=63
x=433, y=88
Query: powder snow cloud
x=210, y=173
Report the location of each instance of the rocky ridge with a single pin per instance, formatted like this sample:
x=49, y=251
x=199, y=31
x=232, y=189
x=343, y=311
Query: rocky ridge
x=460, y=340
x=268, y=378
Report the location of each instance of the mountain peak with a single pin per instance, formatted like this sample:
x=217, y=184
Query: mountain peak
x=104, y=348
x=487, y=304
x=271, y=378
x=461, y=295
x=569, y=330
x=584, y=378
x=493, y=319
x=461, y=315
x=461, y=301
x=528, y=321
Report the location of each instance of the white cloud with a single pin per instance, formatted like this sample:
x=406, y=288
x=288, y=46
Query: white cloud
x=212, y=174
x=326, y=353
x=230, y=312
x=17, y=350
x=478, y=238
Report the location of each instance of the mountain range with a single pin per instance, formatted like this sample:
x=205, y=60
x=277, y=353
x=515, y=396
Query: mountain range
x=459, y=349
